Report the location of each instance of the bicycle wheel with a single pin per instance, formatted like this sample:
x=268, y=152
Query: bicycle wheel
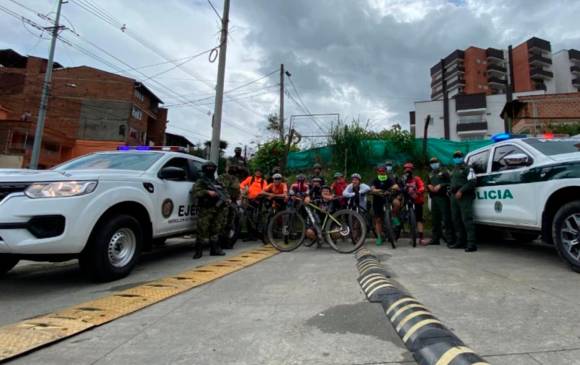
x=286, y=230
x=348, y=233
x=413, y=226
x=388, y=227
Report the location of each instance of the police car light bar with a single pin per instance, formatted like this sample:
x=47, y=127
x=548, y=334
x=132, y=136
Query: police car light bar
x=152, y=148
x=505, y=136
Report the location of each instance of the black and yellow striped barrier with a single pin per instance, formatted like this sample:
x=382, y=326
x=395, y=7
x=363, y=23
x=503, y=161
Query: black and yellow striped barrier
x=32, y=334
x=430, y=342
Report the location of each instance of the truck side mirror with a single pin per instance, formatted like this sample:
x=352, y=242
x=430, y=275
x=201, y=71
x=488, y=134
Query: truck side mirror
x=172, y=173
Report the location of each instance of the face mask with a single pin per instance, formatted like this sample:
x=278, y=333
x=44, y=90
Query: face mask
x=389, y=168
x=458, y=160
x=382, y=177
x=435, y=165
x=209, y=173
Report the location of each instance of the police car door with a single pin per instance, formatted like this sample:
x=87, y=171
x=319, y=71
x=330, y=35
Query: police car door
x=479, y=162
x=174, y=200
x=513, y=200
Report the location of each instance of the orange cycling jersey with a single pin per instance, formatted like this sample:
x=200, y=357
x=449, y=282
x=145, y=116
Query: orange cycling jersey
x=254, y=184
x=280, y=188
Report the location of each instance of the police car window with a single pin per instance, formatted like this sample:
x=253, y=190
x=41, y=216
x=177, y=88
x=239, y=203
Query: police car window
x=182, y=163
x=499, y=155
x=479, y=162
x=136, y=161
x=195, y=168
x=552, y=147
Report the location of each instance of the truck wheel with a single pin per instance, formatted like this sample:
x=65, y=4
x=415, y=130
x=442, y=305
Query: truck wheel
x=524, y=237
x=566, y=234
x=113, y=249
x=7, y=262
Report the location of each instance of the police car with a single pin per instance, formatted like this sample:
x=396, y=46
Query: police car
x=531, y=187
x=103, y=208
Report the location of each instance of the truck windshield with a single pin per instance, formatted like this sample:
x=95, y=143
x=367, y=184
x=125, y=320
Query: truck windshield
x=137, y=161
x=554, y=146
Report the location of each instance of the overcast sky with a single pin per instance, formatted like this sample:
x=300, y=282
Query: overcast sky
x=364, y=59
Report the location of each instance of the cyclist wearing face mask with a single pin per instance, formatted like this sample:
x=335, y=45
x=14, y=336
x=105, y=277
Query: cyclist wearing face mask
x=381, y=184
x=438, y=184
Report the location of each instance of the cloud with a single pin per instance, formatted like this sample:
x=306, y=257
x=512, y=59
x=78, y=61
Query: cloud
x=363, y=59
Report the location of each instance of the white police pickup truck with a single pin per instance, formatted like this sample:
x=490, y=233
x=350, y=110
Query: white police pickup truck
x=103, y=208
x=531, y=187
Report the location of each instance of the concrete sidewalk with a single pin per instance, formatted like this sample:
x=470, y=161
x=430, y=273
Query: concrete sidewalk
x=513, y=304
x=303, y=307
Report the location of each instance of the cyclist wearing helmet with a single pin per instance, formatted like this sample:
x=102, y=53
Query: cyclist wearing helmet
x=316, y=189
x=277, y=191
x=253, y=185
x=317, y=169
x=337, y=188
x=357, y=191
x=300, y=187
x=381, y=184
x=415, y=188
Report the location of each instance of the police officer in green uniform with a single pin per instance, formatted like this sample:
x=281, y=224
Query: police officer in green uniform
x=438, y=185
x=211, y=201
x=462, y=195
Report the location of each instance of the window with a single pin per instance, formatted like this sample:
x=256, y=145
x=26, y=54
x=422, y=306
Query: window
x=136, y=113
x=139, y=95
x=182, y=163
x=195, y=168
x=554, y=146
x=477, y=118
x=479, y=162
x=122, y=130
x=499, y=155
x=136, y=161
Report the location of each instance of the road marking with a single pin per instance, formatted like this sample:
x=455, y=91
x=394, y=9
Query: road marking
x=379, y=287
x=400, y=301
x=31, y=334
x=407, y=307
x=452, y=353
x=411, y=316
x=417, y=326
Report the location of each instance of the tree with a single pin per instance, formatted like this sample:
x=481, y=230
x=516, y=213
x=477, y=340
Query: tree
x=270, y=155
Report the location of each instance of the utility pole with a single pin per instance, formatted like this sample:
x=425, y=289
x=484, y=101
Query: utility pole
x=281, y=114
x=219, y=96
x=45, y=92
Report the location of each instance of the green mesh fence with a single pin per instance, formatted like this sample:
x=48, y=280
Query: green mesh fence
x=379, y=151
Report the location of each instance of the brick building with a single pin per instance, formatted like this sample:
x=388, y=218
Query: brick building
x=88, y=110
x=536, y=114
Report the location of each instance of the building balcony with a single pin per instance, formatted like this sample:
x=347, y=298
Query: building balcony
x=539, y=60
x=540, y=86
x=458, y=69
x=436, y=69
x=437, y=95
x=499, y=69
x=575, y=70
x=459, y=82
x=538, y=45
x=494, y=54
x=471, y=127
x=574, y=55
x=437, y=81
x=576, y=82
x=539, y=73
x=470, y=104
x=496, y=81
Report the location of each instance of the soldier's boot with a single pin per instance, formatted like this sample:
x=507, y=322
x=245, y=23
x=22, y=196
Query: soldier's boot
x=198, y=249
x=215, y=248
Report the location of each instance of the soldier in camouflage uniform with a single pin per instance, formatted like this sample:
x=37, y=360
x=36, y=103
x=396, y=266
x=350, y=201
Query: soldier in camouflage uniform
x=230, y=182
x=462, y=195
x=240, y=162
x=211, y=218
x=438, y=184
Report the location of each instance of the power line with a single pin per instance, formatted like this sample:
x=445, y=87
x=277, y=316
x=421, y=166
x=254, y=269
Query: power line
x=215, y=10
x=304, y=105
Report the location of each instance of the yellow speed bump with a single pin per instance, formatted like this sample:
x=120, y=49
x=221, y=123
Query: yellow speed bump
x=417, y=326
x=452, y=353
x=28, y=335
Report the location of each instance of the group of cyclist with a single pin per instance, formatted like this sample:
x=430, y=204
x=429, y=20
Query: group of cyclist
x=385, y=188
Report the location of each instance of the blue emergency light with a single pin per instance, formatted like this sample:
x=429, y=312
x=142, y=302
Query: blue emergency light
x=505, y=136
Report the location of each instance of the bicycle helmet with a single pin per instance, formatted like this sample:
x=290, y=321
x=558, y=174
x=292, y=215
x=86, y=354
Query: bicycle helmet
x=316, y=179
x=317, y=166
x=408, y=166
x=277, y=177
x=356, y=176
x=300, y=177
x=381, y=168
x=337, y=175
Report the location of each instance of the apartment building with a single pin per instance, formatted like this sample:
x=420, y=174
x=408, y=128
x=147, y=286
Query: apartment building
x=567, y=70
x=88, y=110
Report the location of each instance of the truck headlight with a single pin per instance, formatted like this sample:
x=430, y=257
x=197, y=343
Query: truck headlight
x=60, y=189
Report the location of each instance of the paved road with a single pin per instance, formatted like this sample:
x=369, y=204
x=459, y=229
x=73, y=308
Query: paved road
x=513, y=304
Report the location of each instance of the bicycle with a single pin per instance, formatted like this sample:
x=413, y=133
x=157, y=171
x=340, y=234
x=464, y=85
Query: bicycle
x=232, y=230
x=354, y=205
x=345, y=230
x=407, y=217
x=388, y=230
x=257, y=213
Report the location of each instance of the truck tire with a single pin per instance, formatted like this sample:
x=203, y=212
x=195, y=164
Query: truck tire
x=566, y=233
x=113, y=249
x=7, y=262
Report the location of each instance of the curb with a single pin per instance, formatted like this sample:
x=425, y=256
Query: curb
x=427, y=338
